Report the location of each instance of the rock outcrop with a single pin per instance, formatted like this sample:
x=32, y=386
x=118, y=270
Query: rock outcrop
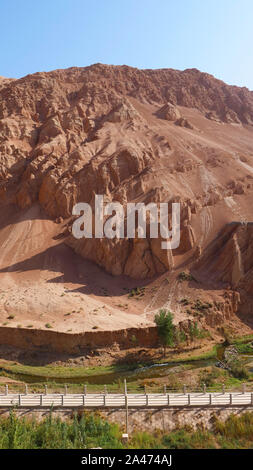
x=182, y=122
x=169, y=112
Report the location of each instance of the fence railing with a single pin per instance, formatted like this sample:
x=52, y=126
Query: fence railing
x=113, y=389
x=99, y=400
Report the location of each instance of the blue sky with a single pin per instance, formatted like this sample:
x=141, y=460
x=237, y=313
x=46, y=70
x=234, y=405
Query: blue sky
x=215, y=36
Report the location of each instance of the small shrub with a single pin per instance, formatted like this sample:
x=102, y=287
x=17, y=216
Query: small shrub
x=134, y=340
x=201, y=307
x=183, y=276
x=209, y=377
x=184, y=301
x=137, y=292
x=238, y=370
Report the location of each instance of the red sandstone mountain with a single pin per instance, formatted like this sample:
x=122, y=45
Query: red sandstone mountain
x=134, y=136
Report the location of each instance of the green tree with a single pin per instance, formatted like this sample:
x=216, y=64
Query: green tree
x=165, y=327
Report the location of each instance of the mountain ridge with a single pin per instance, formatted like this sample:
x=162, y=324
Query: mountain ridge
x=132, y=135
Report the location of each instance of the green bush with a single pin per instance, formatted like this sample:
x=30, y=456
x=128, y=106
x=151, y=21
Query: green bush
x=53, y=433
x=209, y=377
x=188, y=439
x=238, y=370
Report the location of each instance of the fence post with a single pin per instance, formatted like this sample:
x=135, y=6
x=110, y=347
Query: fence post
x=252, y=399
x=126, y=404
x=184, y=389
x=204, y=388
x=6, y=390
x=147, y=399
x=231, y=398
x=62, y=400
x=125, y=387
x=66, y=389
x=104, y=399
x=19, y=400
x=189, y=399
x=45, y=389
x=26, y=389
x=243, y=388
x=210, y=398
x=41, y=398
x=84, y=400
x=168, y=398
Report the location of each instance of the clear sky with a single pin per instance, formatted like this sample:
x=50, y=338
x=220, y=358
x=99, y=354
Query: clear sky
x=215, y=36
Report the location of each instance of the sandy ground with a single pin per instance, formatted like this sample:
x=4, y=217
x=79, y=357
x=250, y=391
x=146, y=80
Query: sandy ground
x=43, y=282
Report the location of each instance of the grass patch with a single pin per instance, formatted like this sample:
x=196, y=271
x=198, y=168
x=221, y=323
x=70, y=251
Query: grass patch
x=244, y=348
x=52, y=371
x=136, y=292
x=242, y=339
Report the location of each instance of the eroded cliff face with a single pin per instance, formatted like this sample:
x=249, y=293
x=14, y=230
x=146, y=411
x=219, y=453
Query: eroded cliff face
x=131, y=135
x=228, y=261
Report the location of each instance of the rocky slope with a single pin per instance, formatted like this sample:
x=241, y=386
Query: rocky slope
x=134, y=136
